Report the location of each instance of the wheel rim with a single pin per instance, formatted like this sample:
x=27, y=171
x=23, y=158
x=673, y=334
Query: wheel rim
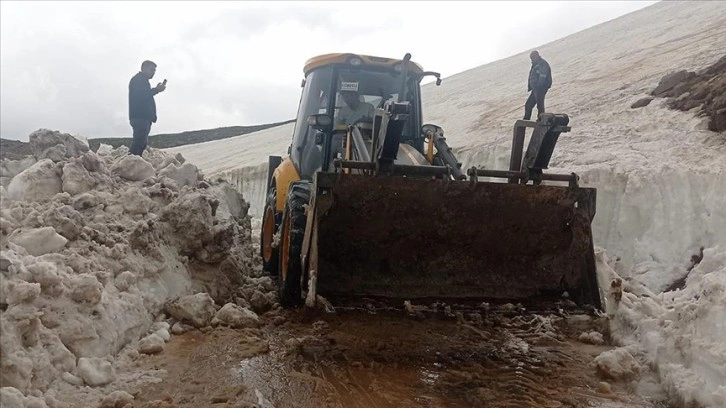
x=285, y=247
x=268, y=230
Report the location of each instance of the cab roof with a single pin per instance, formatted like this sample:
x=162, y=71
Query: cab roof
x=347, y=58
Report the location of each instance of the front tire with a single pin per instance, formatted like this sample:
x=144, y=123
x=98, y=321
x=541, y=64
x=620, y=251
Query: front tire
x=270, y=224
x=290, y=268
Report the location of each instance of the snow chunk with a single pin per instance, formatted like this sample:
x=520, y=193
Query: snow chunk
x=124, y=281
x=41, y=181
x=235, y=317
x=180, y=328
x=86, y=289
x=96, y=371
x=260, y=302
x=160, y=325
x=592, y=338
x=151, y=344
x=38, y=241
x=22, y=292
x=197, y=309
x=161, y=329
x=85, y=201
x=117, y=399
x=617, y=364
x=136, y=202
x=11, y=168
x=16, y=368
x=133, y=168
x=71, y=379
x=76, y=179
x=47, y=275
x=104, y=149
x=167, y=161
x=185, y=175
x=35, y=402
x=164, y=334
x=55, y=145
x=11, y=397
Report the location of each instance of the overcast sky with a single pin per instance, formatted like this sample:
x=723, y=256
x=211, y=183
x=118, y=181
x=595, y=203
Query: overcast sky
x=66, y=65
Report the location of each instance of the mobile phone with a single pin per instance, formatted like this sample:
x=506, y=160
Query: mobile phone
x=164, y=83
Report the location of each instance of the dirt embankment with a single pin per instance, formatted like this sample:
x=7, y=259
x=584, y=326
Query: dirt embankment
x=707, y=89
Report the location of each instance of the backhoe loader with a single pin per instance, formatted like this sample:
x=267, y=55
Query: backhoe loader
x=371, y=202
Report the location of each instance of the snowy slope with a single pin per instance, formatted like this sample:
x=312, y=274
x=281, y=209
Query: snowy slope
x=598, y=73
x=652, y=154
x=653, y=167
x=660, y=174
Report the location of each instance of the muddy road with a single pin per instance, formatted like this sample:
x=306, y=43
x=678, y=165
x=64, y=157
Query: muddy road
x=389, y=359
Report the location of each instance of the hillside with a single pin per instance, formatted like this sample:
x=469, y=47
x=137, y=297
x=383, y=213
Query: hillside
x=15, y=149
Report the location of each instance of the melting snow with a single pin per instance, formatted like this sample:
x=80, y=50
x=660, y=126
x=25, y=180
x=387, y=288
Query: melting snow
x=660, y=174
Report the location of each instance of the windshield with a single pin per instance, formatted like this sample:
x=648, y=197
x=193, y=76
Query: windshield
x=359, y=93
x=353, y=94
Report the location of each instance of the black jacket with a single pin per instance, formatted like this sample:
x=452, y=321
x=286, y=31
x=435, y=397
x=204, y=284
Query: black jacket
x=141, y=99
x=540, y=75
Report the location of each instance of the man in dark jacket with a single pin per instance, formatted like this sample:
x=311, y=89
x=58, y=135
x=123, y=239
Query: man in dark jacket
x=142, y=108
x=540, y=80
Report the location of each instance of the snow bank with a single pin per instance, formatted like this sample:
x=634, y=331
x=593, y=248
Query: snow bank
x=93, y=247
x=241, y=160
x=679, y=333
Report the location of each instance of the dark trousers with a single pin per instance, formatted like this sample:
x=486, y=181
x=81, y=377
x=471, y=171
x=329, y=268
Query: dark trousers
x=536, y=97
x=141, y=127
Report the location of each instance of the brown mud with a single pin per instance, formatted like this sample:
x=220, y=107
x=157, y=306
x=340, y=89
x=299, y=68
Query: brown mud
x=359, y=359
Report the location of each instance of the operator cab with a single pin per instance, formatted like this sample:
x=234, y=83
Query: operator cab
x=342, y=90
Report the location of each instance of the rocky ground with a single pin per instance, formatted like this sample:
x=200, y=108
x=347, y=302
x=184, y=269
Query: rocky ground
x=687, y=90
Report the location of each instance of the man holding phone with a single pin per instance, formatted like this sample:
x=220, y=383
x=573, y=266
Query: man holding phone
x=142, y=107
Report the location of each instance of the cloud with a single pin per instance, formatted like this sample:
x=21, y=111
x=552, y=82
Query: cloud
x=66, y=66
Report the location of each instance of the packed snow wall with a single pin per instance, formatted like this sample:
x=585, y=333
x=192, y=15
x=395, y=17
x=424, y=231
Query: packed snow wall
x=659, y=172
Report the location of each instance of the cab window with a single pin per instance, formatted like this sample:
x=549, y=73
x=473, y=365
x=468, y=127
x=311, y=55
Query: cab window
x=359, y=92
x=305, y=153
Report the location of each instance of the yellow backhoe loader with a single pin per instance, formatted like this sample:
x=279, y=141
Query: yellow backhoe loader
x=371, y=202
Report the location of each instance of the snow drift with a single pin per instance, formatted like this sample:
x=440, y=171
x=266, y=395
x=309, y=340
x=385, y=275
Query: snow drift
x=94, y=247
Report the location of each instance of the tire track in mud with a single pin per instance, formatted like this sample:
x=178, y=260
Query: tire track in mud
x=355, y=359
x=399, y=361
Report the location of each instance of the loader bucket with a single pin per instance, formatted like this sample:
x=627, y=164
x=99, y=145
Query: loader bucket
x=408, y=238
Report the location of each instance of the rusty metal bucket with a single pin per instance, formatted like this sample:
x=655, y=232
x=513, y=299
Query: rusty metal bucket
x=413, y=238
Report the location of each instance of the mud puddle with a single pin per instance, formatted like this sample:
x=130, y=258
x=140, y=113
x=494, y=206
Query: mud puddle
x=388, y=360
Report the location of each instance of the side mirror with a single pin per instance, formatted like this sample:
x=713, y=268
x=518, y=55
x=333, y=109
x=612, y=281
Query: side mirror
x=320, y=121
x=432, y=73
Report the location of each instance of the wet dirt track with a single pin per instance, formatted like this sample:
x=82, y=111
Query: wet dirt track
x=357, y=359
